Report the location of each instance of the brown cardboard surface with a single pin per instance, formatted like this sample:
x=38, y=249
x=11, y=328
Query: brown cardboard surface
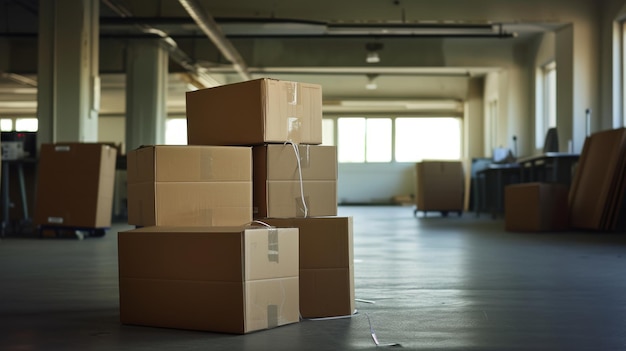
x=190, y=185
x=255, y=112
x=594, y=181
x=440, y=185
x=276, y=184
x=284, y=199
x=279, y=162
x=190, y=204
x=75, y=185
x=535, y=207
x=325, y=242
x=224, y=279
x=184, y=163
x=326, y=292
x=326, y=264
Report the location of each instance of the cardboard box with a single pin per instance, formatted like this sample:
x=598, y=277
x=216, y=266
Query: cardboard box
x=440, y=186
x=189, y=185
x=255, y=112
x=277, y=189
x=75, y=185
x=326, y=264
x=219, y=279
x=534, y=207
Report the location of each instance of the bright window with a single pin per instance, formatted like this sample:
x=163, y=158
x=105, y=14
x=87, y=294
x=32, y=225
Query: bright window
x=26, y=124
x=6, y=124
x=437, y=138
x=351, y=139
x=546, y=114
x=378, y=140
x=176, y=131
x=328, y=132
x=364, y=139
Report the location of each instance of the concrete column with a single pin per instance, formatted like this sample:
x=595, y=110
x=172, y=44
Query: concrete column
x=68, y=80
x=146, y=93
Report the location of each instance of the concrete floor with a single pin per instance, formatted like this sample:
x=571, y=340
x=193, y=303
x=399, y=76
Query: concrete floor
x=455, y=283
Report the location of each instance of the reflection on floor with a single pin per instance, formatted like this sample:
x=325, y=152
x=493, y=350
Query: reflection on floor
x=453, y=283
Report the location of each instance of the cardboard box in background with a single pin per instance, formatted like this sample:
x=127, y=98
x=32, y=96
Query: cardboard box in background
x=219, y=279
x=440, y=186
x=534, y=207
x=277, y=190
x=189, y=185
x=75, y=185
x=326, y=264
x=255, y=112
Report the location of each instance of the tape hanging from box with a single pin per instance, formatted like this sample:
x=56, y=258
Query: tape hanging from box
x=294, y=123
x=272, y=245
x=303, y=200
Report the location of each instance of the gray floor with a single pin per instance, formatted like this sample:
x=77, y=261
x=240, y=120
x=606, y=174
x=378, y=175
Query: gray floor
x=455, y=283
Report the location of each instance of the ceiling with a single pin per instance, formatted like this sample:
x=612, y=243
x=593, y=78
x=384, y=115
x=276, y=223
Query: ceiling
x=428, y=49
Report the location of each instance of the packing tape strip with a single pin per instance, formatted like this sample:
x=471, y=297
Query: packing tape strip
x=302, y=198
x=272, y=316
x=206, y=164
x=272, y=245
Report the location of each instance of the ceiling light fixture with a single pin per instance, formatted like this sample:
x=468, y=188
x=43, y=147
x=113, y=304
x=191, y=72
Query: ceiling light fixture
x=372, y=52
x=371, y=82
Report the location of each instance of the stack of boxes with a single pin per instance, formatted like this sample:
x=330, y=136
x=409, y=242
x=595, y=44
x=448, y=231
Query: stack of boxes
x=239, y=229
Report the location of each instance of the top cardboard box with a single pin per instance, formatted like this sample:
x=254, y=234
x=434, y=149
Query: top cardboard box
x=255, y=112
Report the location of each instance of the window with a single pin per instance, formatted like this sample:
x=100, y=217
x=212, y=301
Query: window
x=378, y=140
x=546, y=112
x=351, y=139
x=328, y=131
x=436, y=138
x=623, y=77
x=6, y=124
x=176, y=131
x=26, y=124
x=400, y=139
x=364, y=139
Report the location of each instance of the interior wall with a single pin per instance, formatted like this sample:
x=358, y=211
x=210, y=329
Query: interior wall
x=564, y=52
x=112, y=129
x=544, y=53
x=374, y=182
x=491, y=93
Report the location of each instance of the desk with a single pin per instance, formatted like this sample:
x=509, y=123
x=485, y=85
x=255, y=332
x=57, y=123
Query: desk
x=491, y=183
x=553, y=167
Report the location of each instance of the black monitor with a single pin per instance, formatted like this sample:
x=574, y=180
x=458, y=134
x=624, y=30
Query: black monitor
x=551, y=143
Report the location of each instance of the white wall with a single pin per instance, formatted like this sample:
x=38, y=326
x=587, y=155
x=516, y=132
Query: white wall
x=112, y=129
x=374, y=182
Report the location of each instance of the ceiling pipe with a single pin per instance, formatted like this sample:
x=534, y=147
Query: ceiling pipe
x=212, y=30
x=200, y=76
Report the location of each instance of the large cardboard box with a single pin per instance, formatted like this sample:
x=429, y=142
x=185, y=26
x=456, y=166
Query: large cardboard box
x=440, y=186
x=220, y=279
x=326, y=264
x=75, y=185
x=278, y=191
x=255, y=112
x=189, y=185
x=534, y=207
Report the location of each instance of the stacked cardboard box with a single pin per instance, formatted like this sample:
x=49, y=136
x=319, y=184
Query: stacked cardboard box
x=283, y=173
x=294, y=177
x=220, y=279
x=172, y=185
